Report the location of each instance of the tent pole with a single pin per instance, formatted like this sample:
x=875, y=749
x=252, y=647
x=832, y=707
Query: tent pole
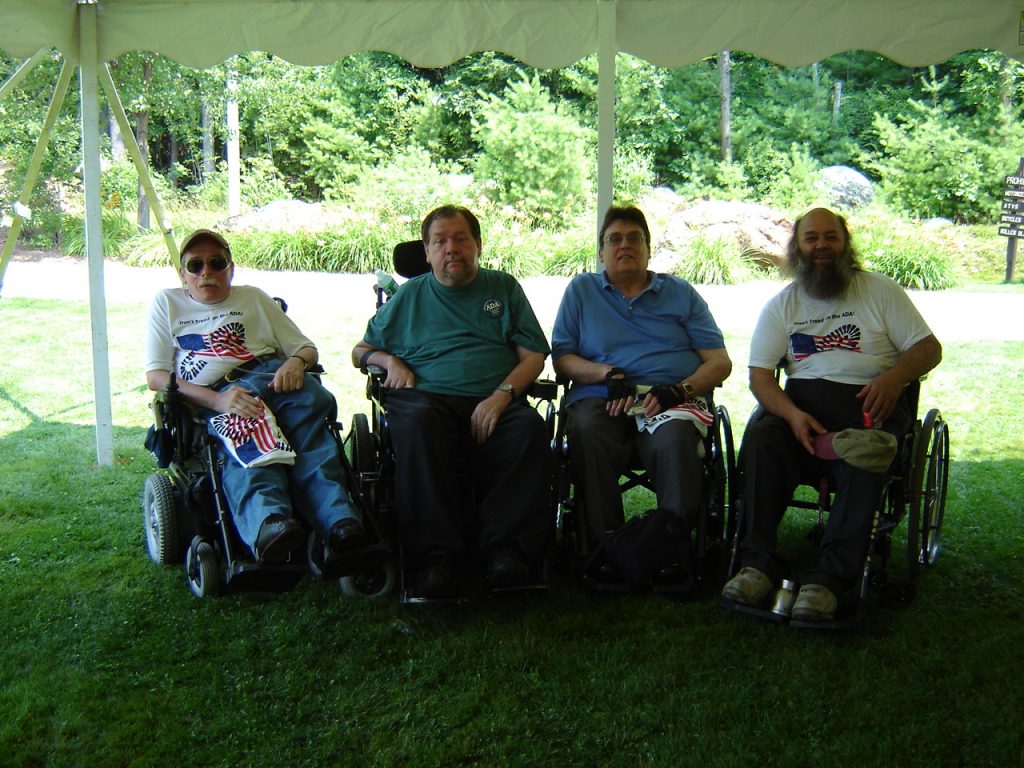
x=26, y=66
x=607, y=48
x=93, y=229
x=114, y=100
x=21, y=209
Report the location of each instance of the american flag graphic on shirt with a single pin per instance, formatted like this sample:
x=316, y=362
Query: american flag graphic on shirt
x=226, y=341
x=844, y=337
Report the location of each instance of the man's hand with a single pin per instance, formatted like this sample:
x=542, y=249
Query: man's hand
x=805, y=427
x=662, y=397
x=239, y=401
x=486, y=414
x=399, y=374
x=881, y=395
x=290, y=376
x=621, y=392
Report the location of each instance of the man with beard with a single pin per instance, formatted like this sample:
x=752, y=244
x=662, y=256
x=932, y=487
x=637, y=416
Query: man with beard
x=461, y=345
x=850, y=342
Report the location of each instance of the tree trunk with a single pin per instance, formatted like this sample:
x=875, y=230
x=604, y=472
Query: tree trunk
x=837, y=100
x=117, y=150
x=142, y=138
x=725, y=85
x=208, y=167
x=234, y=153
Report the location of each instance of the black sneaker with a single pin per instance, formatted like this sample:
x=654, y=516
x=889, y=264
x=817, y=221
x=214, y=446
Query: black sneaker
x=435, y=578
x=507, y=568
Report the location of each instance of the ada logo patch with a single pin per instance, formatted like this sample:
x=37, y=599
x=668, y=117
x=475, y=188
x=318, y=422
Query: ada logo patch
x=493, y=308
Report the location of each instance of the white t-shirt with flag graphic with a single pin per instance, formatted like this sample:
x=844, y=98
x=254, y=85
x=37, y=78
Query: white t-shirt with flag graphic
x=202, y=342
x=850, y=339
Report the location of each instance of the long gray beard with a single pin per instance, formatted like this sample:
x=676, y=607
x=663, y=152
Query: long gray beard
x=828, y=282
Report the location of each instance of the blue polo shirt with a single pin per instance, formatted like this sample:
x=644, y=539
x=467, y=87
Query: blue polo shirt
x=653, y=336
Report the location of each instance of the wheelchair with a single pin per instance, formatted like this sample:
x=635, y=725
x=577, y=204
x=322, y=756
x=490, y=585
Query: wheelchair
x=709, y=536
x=915, y=492
x=186, y=516
x=372, y=457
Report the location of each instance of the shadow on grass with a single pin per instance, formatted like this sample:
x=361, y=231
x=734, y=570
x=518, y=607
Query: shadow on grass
x=107, y=659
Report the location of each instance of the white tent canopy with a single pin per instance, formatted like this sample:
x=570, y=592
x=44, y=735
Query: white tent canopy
x=542, y=33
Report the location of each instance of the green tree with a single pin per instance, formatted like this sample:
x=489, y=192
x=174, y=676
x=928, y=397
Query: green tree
x=533, y=156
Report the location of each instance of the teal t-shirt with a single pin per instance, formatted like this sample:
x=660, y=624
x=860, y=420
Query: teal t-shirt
x=458, y=341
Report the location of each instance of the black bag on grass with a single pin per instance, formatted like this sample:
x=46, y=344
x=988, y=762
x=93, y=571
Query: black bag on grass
x=646, y=545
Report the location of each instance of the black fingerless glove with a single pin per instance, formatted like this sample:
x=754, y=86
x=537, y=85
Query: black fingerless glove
x=669, y=395
x=619, y=386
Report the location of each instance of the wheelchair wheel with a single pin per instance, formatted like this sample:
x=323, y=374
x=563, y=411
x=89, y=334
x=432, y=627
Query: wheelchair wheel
x=724, y=480
x=159, y=518
x=373, y=584
x=928, y=483
x=202, y=568
x=361, y=444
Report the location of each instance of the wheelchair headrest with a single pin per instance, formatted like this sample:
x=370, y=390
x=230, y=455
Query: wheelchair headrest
x=410, y=259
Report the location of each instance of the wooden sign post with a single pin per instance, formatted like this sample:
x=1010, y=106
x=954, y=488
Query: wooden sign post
x=1011, y=222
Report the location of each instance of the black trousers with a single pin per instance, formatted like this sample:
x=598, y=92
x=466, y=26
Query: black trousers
x=510, y=474
x=774, y=464
x=602, y=447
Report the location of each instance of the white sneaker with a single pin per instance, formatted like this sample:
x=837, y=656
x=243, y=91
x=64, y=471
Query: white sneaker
x=748, y=587
x=814, y=603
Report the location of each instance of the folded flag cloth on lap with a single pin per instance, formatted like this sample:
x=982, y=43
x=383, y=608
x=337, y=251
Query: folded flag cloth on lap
x=695, y=411
x=253, y=442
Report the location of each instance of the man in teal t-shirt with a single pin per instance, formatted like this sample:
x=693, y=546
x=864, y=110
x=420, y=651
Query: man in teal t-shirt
x=461, y=345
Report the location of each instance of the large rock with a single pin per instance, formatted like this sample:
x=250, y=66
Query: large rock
x=757, y=230
x=845, y=187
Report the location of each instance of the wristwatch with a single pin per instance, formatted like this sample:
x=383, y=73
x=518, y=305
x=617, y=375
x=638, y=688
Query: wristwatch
x=689, y=390
x=506, y=388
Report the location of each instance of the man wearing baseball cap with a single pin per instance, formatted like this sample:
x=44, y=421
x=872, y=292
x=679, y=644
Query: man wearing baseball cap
x=237, y=356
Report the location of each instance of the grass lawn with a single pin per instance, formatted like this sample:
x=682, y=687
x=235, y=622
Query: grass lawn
x=107, y=660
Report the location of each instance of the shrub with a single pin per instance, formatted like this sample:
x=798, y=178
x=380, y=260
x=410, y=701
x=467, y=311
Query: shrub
x=260, y=181
x=533, y=157
x=714, y=262
x=117, y=231
x=119, y=186
x=912, y=257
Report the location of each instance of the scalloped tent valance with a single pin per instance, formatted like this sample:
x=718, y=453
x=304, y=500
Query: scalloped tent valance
x=542, y=33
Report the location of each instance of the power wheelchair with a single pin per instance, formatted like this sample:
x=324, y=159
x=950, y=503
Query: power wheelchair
x=915, y=492
x=709, y=536
x=186, y=516
x=372, y=458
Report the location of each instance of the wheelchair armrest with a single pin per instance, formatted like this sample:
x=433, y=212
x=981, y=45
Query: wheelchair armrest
x=543, y=389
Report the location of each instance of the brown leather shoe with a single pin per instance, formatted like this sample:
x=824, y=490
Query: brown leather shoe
x=279, y=536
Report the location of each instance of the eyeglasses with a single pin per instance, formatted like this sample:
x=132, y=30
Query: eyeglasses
x=615, y=239
x=217, y=264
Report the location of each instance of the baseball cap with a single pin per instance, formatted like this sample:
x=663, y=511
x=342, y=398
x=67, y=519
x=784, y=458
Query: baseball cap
x=203, y=234
x=869, y=449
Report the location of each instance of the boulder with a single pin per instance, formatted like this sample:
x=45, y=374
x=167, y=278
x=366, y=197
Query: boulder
x=844, y=187
x=760, y=232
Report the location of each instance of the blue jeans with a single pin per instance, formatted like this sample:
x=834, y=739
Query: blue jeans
x=313, y=486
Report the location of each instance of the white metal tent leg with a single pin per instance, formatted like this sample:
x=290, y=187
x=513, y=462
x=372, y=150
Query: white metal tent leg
x=23, y=69
x=56, y=101
x=88, y=64
x=141, y=167
x=607, y=49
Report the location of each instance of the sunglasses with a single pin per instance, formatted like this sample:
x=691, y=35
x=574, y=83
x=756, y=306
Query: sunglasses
x=217, y=264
